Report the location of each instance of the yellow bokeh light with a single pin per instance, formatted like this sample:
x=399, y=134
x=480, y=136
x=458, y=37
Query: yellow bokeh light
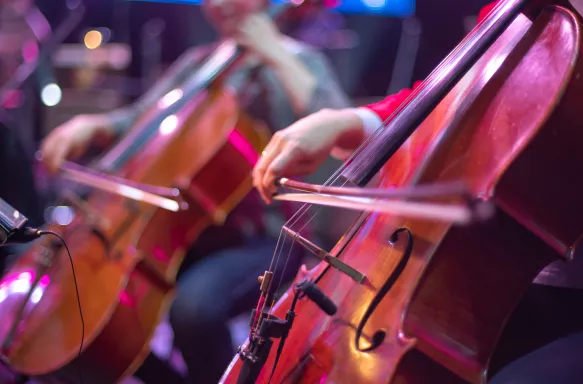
x=93, y=39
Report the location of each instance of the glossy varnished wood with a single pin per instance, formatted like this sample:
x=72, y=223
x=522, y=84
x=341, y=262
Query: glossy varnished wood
x=507, y=129
x=126, y=283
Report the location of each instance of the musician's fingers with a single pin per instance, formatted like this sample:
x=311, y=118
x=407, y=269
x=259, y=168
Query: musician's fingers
x=259, y=169
x=45, y=151
x=51, y=151
x=269, y=153
x=58, y=157
x=264, y=191
x=283, y=163
x=294, y=168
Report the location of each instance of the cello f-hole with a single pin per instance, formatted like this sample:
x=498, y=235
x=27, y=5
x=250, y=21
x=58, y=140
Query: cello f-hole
x=379, y=336
x=98, y=233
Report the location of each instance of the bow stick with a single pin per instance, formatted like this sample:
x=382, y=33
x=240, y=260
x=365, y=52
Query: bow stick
x=385, y=200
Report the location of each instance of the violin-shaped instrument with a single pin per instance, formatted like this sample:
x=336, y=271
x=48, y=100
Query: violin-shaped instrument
x=407, y=299
x=150, y=198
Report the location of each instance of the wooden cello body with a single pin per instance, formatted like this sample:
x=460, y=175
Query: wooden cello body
x=195, y=149
x=437, y=296
x=126, y=256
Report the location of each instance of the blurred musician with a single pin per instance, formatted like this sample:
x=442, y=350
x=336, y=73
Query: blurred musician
x=551, y=346
x=281, y=81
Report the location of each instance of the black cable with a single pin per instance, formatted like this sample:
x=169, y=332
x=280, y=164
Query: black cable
x=47, y=232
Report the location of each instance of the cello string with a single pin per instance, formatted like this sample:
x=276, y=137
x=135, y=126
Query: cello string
x=437, y=71
x=430, y=211
x=300, y=213
x=293, y=242
x=458, y=212
x=332, y=179
x=292, y=223
x=411, y=98
x=303, y=211
x=282, y=274
x=278, y=250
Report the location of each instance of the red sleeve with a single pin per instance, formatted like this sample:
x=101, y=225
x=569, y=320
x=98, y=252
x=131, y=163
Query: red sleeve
x=486, y=9
x=387, y=106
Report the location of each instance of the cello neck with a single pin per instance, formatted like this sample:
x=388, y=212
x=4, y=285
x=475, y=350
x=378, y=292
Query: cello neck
x=374, y=154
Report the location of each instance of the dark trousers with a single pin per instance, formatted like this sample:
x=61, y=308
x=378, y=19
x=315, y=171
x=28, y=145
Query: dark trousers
x=211, y=291
x=558, y=362
x=543, y=341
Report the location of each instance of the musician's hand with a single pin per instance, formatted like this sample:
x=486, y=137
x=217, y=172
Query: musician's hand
x=73, y=138
x=258, y=33
x=302, y=147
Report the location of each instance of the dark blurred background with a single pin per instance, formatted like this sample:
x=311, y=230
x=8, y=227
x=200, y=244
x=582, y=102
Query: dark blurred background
x=375, y=48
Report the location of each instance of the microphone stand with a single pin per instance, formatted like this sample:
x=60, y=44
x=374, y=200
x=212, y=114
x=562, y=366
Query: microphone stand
x=257, y=352
x=269, y=327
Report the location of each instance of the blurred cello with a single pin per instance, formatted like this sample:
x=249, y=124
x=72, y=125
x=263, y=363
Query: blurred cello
x=407, y=300
x=152, y=195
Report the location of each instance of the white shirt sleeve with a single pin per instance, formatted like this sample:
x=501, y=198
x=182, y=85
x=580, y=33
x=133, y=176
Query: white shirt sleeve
x=370, y=120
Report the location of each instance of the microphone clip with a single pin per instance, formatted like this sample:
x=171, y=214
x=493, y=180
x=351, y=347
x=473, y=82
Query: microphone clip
x=257, y=351
x=255, y=354
x=307, y=288
x=13, y=229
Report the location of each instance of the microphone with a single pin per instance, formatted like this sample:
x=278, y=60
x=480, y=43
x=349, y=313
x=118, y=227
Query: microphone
x=13, y=227
x=317, y=296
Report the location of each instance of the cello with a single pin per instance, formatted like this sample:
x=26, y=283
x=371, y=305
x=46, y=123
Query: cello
x=402, y=299
x=150, y=198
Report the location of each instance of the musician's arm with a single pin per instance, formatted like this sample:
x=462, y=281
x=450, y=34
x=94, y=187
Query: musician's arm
x=372, y=116
x=309, y=82
x=123, y=118
x=327, y=92
x=306, y=143
x=362, y=122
